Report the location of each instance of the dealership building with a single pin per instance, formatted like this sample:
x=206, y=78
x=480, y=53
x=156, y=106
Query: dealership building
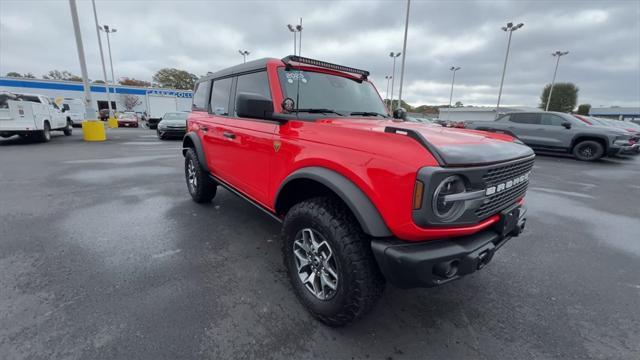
x=616, y=112
x=154, y=101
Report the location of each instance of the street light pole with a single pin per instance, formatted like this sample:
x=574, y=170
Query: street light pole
x=90, y=111
x=404, y=52
x=104, y=68
x=393, y=75
x=244, y=54
x=299, y=29
x=386, y=93
x=510, y=28
x=293, y=30
x=453, y=69
x=557, y=54
x=109, y=30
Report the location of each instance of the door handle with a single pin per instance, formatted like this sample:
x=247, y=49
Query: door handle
x=204, y=128
x=229, y=135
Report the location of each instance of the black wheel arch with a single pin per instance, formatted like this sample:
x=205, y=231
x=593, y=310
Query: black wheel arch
x=586, y=136
x=191, y=140
x=314, y=181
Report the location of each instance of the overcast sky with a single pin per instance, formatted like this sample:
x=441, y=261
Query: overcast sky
x=603, y=38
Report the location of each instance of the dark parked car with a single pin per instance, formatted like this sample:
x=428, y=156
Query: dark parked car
x=557, y=132
x=173, y=124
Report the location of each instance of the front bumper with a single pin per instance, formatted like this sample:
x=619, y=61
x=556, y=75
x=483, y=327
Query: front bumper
x=624, y=149
x=436, y=262
x=127, y=124
x=169, y=132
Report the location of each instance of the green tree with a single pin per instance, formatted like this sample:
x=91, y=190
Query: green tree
x=62, y=75
x=134, y=82
x=563, y=98
x=459, y=104
x=583, y=109
x=98, y=81
x=175, y=78
x=18, y=75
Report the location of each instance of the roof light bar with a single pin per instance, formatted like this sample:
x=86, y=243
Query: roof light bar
x=303, y=60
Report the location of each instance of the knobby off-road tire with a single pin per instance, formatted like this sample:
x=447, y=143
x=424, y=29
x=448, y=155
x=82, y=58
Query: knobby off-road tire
x=68, y=130
x=359, y=281
x=588, y=150
x=201, y=187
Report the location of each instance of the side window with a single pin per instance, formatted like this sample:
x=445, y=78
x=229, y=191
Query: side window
x=525, y=118
x=220, y=96
x=551, y=119
x=504, y=118
x=255, y=83
x=201, y=95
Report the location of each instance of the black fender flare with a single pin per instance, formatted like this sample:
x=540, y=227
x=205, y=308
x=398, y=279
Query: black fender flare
x=192, y=138
x=590, y=135
x=360, y=205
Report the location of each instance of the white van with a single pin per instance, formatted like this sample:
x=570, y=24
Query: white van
x=30, y=115
x=74, y=110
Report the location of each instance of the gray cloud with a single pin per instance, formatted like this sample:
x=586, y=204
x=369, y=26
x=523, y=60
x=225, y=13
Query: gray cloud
x=201, y=36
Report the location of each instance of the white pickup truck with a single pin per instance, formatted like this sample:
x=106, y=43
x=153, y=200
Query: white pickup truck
x=31, y=115
x=74, y=110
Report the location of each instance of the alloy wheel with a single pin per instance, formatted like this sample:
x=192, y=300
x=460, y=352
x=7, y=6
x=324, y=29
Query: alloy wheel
x=315, y=263
x=191, y=176
x=587, y=151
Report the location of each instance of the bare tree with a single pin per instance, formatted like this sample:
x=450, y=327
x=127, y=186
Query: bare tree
x=130, y=102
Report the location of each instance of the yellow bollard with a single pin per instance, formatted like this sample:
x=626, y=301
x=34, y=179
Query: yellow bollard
x=93, y=130
x=113, y=123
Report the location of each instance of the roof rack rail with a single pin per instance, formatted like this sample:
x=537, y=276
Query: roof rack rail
x=303, y=60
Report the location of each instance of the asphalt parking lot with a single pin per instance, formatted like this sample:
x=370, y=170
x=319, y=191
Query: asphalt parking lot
x=104, y=256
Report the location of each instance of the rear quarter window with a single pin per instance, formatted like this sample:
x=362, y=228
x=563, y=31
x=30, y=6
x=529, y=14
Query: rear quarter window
x=525, y=118
x=220, y=95
x=201, y=96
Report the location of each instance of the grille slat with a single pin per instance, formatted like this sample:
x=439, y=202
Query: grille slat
x=500, y=200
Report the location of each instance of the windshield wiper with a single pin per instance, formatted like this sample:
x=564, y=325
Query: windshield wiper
x=318, y=111
x=368, y=113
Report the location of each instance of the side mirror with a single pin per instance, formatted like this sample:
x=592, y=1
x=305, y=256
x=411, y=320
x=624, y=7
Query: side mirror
x=399, y=113
x=254, y=106
x=567, y=125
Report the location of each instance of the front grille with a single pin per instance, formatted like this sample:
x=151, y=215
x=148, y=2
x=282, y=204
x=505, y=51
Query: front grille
x=502, y=199
x=508, y=172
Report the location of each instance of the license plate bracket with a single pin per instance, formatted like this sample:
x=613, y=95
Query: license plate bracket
x=508, y=220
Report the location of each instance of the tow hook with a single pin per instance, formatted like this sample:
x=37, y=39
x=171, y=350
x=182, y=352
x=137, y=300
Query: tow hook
x=484, y=258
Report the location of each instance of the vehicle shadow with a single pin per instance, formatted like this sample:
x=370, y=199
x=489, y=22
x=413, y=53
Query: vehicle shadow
x=605, y=161
x=19, y=140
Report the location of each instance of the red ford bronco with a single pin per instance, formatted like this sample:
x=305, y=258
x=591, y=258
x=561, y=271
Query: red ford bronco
x=364, y=197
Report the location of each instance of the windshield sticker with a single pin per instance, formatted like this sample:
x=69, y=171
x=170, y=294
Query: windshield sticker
x=292, y=76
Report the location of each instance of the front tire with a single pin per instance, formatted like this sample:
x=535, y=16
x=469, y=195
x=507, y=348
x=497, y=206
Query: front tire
x=329, y=261
x=588, y=150
x=201, y=187
x=68, y=130
x=160, y=136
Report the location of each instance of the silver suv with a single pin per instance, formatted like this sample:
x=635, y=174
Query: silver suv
x=557, y=132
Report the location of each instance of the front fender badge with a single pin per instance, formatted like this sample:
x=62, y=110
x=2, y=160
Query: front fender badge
x=276, y=145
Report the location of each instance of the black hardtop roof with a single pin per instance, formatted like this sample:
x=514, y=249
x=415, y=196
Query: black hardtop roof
x=261, y=64
x=249, y=66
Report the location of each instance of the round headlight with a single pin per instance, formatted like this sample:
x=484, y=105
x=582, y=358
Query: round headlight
x=448, y=211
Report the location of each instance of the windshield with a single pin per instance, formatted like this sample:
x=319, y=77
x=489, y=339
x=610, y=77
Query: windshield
x=127, y=116
x=331, y=92
x=175, y=116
